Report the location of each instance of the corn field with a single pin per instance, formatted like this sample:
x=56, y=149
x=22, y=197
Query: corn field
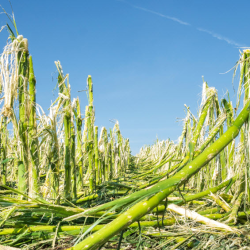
x=65, y=183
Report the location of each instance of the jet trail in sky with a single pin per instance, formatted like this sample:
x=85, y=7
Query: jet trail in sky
x=211, y=33
x=220, y=37
x=155, y=13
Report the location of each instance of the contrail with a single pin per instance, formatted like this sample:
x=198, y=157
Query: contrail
x=155, y=13
x=161, y=15
x=220, y=37
x=215, y=35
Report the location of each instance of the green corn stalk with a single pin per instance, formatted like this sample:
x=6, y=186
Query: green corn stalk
x=54, y=160
x=223, y=160
x=221, y=157
x=242, y=72
x=55, y=171
x=119, y=145
x=16, y=161
x=33, y=141
x=77, y=229
x=246, y=59
x=128, y=152
x=188, y=134
x=213, y=132
x=109, y=167
x=79, y=159
x=22, y=87
x=96, y=155
x=85, y=140
x=101, y=147
x=90, y=124
x=230, y=149
x=73, y=163
x=184, y=131
x=64, y=90
x=67, y=165
x=206, y=192
x=212, y=166
x=102, y=155
x=4, y=148
x=244, y=163
x=112, y=152
x=105, y=165
x=201, y=121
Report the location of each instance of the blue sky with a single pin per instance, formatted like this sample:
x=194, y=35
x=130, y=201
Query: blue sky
x=146, y=57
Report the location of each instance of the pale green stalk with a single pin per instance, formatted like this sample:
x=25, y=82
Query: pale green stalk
x=105, y=165
x=73, y=163
x=22, y=87
x=96, y=155
x=79, y=158
x=230, y=149
x=184, y=131
x=213, y=132
x=63, y=89
x=201, y=121
x=128, y=152
x=33, y=141
x=54, y=164
x=246, y=58
x=90, y=124
x=85, y=142
x=119, y=145
x=4, y=148
x=112, y=148
x=188, y=134
x=67, y=165
x=211, y=167
x=109, y=166
x=242, y=71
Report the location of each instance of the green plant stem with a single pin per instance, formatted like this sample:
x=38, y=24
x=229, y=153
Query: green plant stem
x=63, y=89
x=96, y=155
x=90, y=124
x=33, y=141
x=79, y=158
x=73, y=163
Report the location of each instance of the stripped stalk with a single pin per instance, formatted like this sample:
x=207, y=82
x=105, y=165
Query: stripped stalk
x=96, y=155
x=4, y=149
x=73, y=163
x=65, y=93
x=90, y=124
x=198, y=128
x=33, y=141
x=22, y=87
x=79, y=156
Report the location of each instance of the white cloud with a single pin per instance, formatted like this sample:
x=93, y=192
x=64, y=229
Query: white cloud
x=220, y=37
